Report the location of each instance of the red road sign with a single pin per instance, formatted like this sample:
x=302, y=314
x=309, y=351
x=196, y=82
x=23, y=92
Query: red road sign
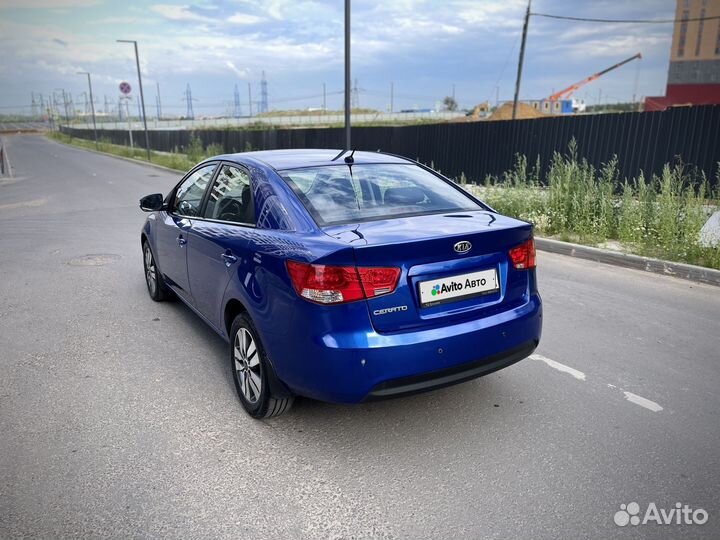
x=125, y=88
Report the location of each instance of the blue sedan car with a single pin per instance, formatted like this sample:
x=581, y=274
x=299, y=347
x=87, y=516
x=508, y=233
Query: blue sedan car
x=343, y=277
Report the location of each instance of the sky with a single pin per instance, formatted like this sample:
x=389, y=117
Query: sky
x=424, y=48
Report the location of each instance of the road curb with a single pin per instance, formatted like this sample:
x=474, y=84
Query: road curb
x=626, y=260
x=130, y=160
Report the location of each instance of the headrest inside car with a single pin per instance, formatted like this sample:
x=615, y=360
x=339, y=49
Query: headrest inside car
x=404, y=195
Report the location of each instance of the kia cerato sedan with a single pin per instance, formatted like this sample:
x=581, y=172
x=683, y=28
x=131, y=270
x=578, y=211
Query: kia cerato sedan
x=343, y=277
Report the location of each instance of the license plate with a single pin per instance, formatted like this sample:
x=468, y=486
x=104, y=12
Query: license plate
x=438, y=291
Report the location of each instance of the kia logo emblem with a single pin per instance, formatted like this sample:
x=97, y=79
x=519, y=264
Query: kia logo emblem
x=462, y=247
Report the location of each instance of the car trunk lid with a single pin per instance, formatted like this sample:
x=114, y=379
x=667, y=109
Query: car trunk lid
x=454, y=266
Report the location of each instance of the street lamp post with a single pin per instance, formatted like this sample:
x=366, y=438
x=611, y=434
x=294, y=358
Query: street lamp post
x=92, y=107
x=347, y=75
x=142, y=98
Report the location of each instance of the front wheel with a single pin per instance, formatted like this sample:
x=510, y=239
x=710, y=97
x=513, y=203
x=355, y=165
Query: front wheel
x=250, y=367
x=157, y=289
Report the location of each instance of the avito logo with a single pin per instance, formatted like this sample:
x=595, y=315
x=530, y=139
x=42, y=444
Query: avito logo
x=682, y=514
x=454, y=286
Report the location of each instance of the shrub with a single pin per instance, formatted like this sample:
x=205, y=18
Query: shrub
x=659, y=217
x=195, y=151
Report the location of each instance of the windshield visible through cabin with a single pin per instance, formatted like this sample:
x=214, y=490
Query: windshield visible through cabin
x=340, y=193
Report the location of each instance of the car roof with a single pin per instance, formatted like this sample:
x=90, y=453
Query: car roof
x=311, y=157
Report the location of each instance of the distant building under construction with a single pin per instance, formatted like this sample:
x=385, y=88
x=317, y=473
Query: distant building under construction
x=694, y=74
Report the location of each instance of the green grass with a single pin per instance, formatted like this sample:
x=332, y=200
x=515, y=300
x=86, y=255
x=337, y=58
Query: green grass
x=179, y=161
x=656, y=217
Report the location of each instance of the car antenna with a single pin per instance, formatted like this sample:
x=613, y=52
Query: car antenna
x=340, y=154
x=350, y=159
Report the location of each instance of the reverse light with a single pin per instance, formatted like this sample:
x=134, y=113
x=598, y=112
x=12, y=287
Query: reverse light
x=340, y=284
x=523, y=256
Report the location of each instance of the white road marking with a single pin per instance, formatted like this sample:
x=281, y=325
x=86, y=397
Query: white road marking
x=643, y=402
x=579, y=375
x=560, y=367
x=33, y=203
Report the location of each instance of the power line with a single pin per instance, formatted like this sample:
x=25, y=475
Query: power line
x=630, y=21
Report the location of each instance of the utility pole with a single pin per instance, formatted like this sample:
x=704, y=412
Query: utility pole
x=158, y=102
x=249, y=99
x=324, y=99
x=497, y=97
x=520, y=61
x=65, y=104
x=188, y=97
x=392, y=97
x=453, y=92
x=86, y=109
x=347, y=75
x=263, y=94
x=51, y=115
x=127, y=114
x=355, y=96
x=92, y=106
x=71, y=105
x=237, y=113
x=142, y=97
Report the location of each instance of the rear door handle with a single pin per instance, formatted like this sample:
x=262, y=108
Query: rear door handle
x=229, y=259
x=181, y=240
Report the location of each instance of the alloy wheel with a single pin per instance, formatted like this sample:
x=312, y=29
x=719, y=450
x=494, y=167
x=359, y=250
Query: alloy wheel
x=150, y=271
x=247, y=365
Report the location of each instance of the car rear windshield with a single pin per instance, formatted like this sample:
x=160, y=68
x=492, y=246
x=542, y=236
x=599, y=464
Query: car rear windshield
x=341, y=193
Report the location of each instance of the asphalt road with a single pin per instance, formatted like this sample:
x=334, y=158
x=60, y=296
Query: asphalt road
x=118, y=417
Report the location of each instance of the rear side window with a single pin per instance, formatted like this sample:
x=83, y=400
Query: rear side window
x=230, y=197
x=341, y=194
x=189, y=195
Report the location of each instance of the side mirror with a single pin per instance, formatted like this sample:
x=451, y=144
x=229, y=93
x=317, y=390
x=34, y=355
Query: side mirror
x=151, y=203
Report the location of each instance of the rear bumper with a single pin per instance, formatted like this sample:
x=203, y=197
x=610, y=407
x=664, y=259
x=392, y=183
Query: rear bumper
x=433, y=380
x=360, y=364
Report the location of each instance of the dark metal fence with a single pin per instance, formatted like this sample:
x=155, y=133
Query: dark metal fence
x=642, y=141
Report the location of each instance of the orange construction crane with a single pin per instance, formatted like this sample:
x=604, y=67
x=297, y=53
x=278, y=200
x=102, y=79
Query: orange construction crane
x=567, y=92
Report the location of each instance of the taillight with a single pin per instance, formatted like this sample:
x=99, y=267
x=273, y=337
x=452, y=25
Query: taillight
x=523, y=256
x=338, y=284
x=377, y=281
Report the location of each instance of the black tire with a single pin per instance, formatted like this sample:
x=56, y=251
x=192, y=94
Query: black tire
x=250, y=367
x=157, y=289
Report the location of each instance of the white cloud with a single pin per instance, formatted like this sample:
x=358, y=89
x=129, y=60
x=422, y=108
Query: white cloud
x=121, y=20
x=178, y=13
x=421, y=43
x=242, y=73
x=244, y=18
x=475, y=13
x=45, y=4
